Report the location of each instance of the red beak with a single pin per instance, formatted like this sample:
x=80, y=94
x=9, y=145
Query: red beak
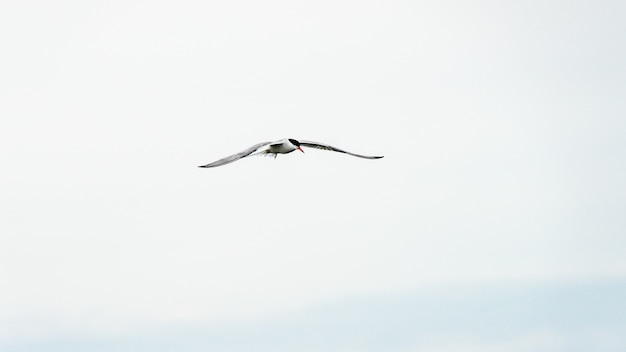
x=300, y=149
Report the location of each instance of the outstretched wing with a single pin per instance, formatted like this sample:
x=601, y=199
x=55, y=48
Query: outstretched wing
x=323, y=146
x=235, y=157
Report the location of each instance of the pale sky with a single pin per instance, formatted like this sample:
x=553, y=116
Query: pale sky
x=502, y=126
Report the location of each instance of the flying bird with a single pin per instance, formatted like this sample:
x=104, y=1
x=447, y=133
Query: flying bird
x=283, y=146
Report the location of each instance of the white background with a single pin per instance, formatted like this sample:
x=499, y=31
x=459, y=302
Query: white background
x=502, y=126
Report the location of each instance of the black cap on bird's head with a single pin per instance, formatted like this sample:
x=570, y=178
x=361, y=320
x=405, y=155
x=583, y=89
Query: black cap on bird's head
x=296, y=143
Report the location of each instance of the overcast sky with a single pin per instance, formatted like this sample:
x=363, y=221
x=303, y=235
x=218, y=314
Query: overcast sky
x=502, y=126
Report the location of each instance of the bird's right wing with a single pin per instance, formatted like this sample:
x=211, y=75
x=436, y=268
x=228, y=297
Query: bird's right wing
x=318, y=145
x=235, y=157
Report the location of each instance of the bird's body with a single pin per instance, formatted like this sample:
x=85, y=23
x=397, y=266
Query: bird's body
x=283, y=146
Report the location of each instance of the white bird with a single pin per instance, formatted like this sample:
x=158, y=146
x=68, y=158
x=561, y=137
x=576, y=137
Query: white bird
x=283, y=146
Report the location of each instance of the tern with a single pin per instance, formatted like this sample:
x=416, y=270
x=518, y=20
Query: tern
x=283, y=146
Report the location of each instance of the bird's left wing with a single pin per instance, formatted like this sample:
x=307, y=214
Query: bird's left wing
x=235, y=157
x=323, y=146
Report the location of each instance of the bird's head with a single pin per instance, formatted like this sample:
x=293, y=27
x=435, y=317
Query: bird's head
x=296, y=143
